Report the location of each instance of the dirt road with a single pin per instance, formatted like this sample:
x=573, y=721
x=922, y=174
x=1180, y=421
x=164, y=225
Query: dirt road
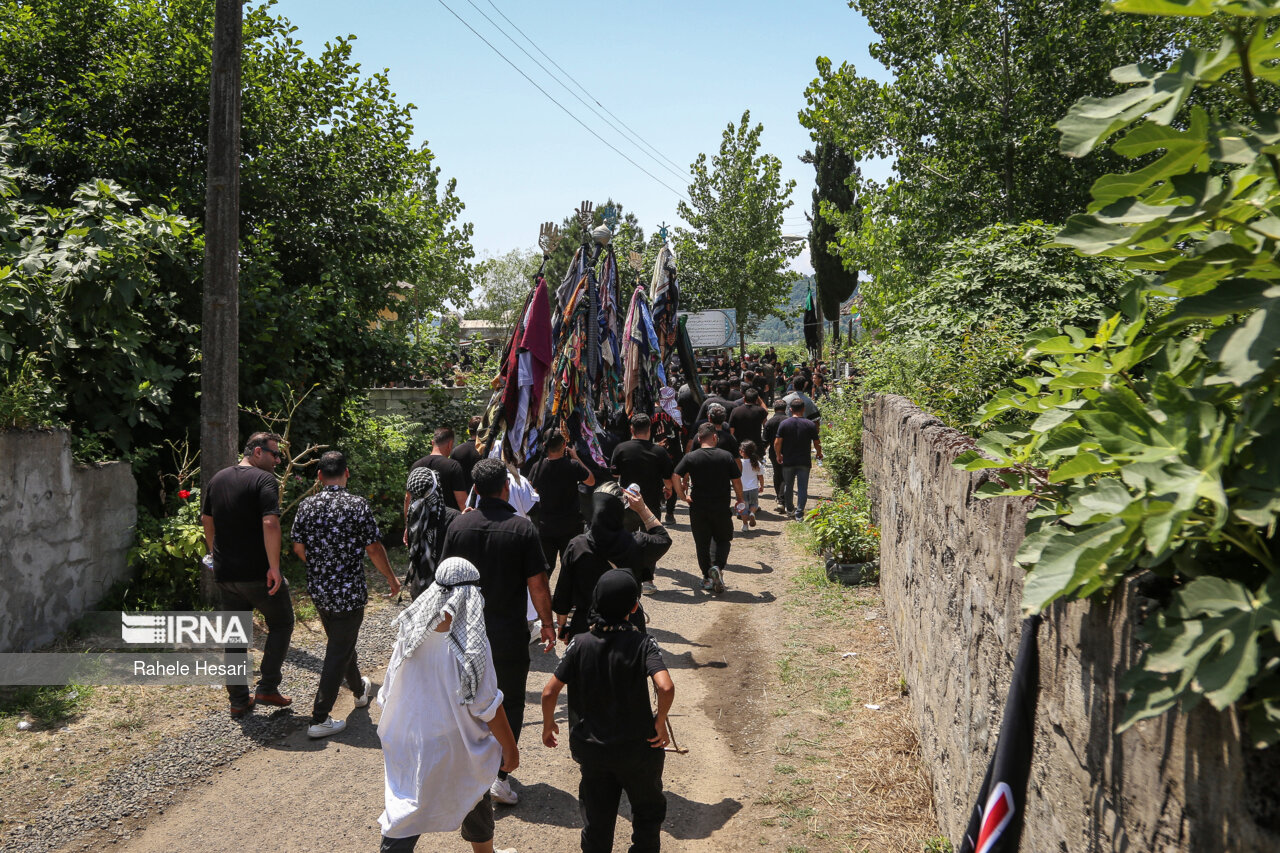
x=325, y=795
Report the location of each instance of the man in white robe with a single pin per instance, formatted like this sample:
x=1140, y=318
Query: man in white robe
x=444, y=733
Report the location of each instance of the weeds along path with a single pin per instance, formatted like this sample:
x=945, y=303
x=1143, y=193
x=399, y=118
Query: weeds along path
x=783, y=754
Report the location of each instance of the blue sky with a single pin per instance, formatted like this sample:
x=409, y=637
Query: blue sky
x=675, y=72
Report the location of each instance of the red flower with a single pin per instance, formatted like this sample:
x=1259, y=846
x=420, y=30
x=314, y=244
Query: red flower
x=184, y=494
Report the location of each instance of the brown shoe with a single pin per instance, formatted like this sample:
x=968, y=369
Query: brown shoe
x=239, y=709
x=276, y=699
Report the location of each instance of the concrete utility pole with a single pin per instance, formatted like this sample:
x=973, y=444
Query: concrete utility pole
x=220, y=321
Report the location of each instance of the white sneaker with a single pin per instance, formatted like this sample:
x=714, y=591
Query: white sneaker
x=329, y=727
x=717, y=580
x=746, y=528
x=501, y=792
x=363, y=699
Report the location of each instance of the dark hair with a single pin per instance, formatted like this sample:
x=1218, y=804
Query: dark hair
x=473, y=425
x=705, y=430
x=721, y=386
x=748, y=375
x=797, y=405
x=716, y=414
x=554, y=440
x=260, y=439
x=489, y=475
x=750, y=450
x=332, y=464
x=751, y=395
x=800, y=383
x=779, y=405
x=443, y=435
x=640, y=423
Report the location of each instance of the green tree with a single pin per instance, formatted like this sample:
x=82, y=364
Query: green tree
x=502, y=282
x=339, y=209
x=732, y=255
x=83, y=300
x=1153, y=442
x=968, y=121
x=832, y=198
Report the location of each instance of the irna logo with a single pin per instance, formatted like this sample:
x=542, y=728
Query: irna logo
x=169, y=629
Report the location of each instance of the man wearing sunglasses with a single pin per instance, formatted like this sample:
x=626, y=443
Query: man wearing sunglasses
x=241, y=517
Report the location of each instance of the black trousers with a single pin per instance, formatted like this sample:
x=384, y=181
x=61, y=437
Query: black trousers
x=712, y=533
x=341, y=630
x=511, y=669
x=554, y=543
x=606, y=773
x=278, y=611
x=477, y=827
x=777, y=480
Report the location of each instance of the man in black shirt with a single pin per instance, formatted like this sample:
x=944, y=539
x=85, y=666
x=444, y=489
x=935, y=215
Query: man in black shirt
x=506, y=550
x=615, y=736
x=768, y=434
x=645, y=464
x=555, y=478
x=241, y=518
x=795, y=435
x=720, y=396
x=450, y=472
x=746, y=420
x=724, y=436
x=465, y=454
x=712, y=471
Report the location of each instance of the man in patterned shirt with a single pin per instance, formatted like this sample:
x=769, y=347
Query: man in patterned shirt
x=332, y=532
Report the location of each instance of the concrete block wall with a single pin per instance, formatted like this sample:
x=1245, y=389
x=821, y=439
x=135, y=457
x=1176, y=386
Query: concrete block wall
x=65, y=533
x=1182, y=782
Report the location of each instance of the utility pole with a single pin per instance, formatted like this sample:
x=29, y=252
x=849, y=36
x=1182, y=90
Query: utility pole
x=220, y=319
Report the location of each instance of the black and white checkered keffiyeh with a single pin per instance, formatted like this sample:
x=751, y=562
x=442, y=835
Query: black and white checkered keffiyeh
x=456, y=591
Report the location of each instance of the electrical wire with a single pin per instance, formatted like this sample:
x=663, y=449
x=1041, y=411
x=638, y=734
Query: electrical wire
x=566, y=110
x=681, y=176
x=584, y=89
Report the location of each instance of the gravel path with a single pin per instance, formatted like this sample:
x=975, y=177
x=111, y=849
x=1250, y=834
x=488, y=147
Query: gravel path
x=263, y=782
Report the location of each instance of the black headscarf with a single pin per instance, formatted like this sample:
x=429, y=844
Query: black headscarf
x=608, y=538
x=615, y=596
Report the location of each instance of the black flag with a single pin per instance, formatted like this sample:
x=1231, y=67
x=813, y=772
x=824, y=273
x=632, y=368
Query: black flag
x=996, y=823
x=812, y=330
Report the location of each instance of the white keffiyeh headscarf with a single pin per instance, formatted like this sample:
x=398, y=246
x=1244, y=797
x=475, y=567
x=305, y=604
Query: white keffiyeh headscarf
x=456, y=591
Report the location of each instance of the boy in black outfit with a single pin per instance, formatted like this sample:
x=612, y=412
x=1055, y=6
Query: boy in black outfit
x=614, y=736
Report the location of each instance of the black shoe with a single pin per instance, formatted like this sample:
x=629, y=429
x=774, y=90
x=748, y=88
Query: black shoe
x=671, y=519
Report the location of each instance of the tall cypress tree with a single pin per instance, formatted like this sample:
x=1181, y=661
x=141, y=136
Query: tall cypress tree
x=834, y=167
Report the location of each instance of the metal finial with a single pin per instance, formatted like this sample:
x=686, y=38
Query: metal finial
x=662, y=231
x=637, y=261
x=610, y=217
x=584, y=215
x=549, y=238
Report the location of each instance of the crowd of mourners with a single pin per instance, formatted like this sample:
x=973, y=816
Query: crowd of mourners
x=485, y=541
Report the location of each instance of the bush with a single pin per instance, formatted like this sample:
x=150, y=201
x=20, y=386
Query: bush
x=842, y=435
x=165, y=563
x=842, y=527
x=379, y=450
x=27, y=400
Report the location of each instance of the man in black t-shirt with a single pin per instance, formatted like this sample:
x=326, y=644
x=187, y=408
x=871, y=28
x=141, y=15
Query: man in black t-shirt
x=240, y=513
x=712, y=471
x=721, y=396
x=452, y=479
x=746, y=421
x=614, y=735
x=795, y=435
x=718, y=418
x=465, y=454
x=555, y=478
x=768, y=434
x=506, y=550
x=645, y=464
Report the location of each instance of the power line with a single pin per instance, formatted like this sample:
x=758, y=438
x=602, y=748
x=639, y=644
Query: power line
x=583, y=88
x=560, y=105
x=679, y=175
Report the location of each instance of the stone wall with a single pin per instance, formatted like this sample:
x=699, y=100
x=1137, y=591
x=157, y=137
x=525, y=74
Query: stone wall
x=65, y=532
x=952, y=591
x=411, y=402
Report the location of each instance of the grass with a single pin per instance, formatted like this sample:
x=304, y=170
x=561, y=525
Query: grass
x=848, y=778
x=44, y=706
